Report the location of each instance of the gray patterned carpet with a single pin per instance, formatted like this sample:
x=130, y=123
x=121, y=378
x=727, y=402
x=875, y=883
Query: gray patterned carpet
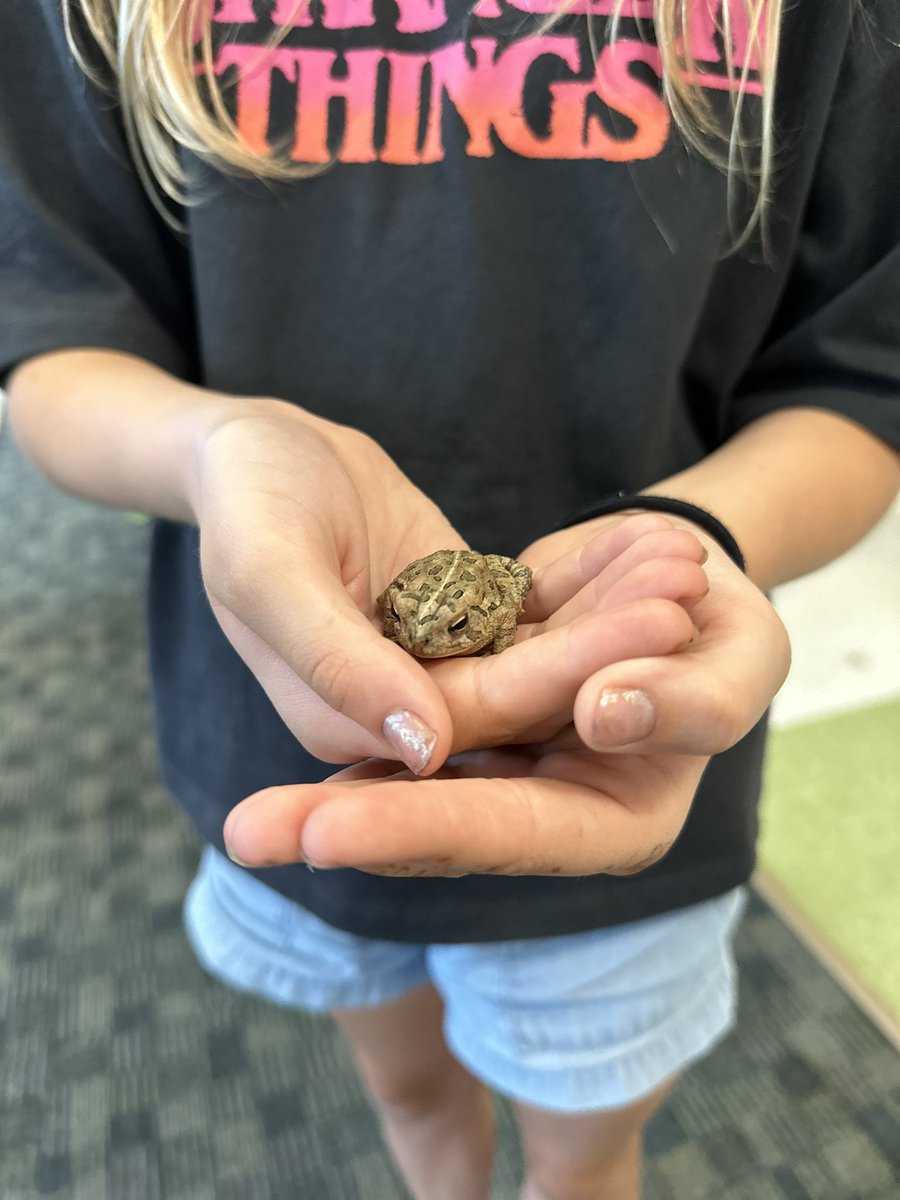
x=127, y=1074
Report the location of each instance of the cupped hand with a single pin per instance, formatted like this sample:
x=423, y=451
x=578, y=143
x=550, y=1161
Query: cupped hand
x=586, y=800
x=303, y=522
x=618, y=594
x=700, y=701
x=551, y=809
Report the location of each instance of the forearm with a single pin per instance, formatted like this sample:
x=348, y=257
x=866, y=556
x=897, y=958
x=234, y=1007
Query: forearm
x=110, y=428
x=796, y=488
x=115, y=429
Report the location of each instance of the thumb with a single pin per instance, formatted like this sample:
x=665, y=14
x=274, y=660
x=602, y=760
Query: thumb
x=699, y=701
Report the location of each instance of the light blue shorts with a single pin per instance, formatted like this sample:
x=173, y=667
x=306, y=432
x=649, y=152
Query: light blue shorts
x=585, y=1021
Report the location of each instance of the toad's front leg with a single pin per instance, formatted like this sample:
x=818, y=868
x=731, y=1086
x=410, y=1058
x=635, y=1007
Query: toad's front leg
x=505, y=635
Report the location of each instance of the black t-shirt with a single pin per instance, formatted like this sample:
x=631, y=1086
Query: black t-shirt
x=512, y=276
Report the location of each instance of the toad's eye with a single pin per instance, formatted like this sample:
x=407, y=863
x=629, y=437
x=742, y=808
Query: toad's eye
x=459, y=626
x=394, y=612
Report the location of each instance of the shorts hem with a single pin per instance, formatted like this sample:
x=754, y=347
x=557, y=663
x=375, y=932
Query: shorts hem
x=235, y=964
x=622, y=1080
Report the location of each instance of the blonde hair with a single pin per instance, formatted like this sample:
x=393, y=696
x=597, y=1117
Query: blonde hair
x=154, y=48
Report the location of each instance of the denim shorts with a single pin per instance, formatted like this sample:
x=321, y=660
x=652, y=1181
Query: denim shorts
x=575, y=1023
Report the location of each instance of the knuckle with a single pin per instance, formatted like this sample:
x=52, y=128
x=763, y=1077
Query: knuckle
x=782, y=651
x=729, y=728
x=231, y=575
x=490, y=723
x=330, y=677
x=724, y=721
x=321, y=746
x=641, y=524
x=642, y=860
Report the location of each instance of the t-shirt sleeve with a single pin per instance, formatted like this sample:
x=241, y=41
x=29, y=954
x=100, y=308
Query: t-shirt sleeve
x=85, y=258
x=835, y=342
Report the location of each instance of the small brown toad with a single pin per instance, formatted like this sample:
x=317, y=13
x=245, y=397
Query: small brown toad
x=455, y=602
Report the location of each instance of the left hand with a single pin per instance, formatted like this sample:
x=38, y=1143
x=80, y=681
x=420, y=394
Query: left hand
x=592, y=797
x=703, y=699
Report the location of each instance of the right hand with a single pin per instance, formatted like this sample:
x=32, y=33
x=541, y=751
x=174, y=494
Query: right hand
x=304, y=522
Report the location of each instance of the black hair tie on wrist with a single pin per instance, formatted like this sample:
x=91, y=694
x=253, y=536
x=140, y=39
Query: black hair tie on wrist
x=665, y=504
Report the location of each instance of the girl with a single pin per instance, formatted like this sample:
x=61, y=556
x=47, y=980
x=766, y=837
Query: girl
x=327, y=287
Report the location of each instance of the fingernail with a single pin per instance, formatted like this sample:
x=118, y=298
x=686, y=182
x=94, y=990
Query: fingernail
x=410, y=737
x=236, y=858
x=257, y=866
x=623, y=717
x=241, y=862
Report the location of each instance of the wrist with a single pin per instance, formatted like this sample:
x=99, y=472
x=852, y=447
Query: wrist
x=116, y=430
x=797, y=488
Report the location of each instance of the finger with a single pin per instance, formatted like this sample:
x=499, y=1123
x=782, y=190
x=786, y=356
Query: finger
x=303, y=626
x=500, y=698
x=700, y=701
x=509, y=825
x=614, y=551
x=643, y=569
x=674, y=579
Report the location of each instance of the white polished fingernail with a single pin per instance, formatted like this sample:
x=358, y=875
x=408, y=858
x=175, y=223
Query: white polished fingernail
x=623, y=717
x=410, y=738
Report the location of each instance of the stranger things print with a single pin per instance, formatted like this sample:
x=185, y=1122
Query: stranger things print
x=362, y=81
